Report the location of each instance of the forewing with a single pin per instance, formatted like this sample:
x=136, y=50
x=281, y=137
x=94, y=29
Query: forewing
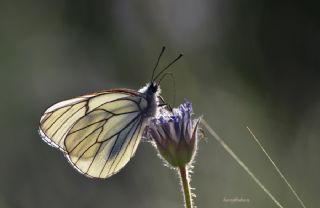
x=59, y=118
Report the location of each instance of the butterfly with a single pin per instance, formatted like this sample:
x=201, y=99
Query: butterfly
x=99, y=133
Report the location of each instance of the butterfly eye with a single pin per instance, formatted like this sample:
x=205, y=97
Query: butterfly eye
x=154, y=87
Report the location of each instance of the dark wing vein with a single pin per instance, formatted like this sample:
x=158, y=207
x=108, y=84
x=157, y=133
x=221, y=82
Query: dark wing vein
x=47, y=116
x=114, y=114
x=135, y=142
x=70, y=104
x=95, y=155
x=65, y=122
x=137, y=127
x=101, y=127
x=90, y=147
x=97, y=152
x=123, y=98
x=75, y=131
x=133, y=120
x=56, y=118
x=106, y=139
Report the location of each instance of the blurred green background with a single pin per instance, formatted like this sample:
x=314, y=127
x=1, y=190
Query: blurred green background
x=247, y=63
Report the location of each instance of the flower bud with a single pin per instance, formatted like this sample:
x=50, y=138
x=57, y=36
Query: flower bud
x=175, y=134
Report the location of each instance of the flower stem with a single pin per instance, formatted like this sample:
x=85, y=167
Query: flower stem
x=186, y=186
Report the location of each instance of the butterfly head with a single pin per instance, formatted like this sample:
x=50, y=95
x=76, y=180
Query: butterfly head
x=153, y=87
x=151, y=90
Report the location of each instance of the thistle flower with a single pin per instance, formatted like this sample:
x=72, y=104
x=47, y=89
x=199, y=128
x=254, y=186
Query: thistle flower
x=175, y=134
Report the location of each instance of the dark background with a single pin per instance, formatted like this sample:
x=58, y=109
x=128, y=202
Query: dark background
x=247, y=63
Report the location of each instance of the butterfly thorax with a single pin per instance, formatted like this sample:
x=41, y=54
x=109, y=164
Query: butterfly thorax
x=151, y=92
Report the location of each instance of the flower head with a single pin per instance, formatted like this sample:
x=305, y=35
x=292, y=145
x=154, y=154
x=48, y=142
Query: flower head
x=175, y=134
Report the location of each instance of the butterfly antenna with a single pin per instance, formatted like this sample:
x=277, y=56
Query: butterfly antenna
x=155, y=67
x=163, y=70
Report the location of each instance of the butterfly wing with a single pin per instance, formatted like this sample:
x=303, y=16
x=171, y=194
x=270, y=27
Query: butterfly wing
x=98, y=133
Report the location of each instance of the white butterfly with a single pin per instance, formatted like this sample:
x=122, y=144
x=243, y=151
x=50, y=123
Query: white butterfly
x=100, y=132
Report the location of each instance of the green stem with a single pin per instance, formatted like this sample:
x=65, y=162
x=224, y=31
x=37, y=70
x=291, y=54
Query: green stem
x=186, y=187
